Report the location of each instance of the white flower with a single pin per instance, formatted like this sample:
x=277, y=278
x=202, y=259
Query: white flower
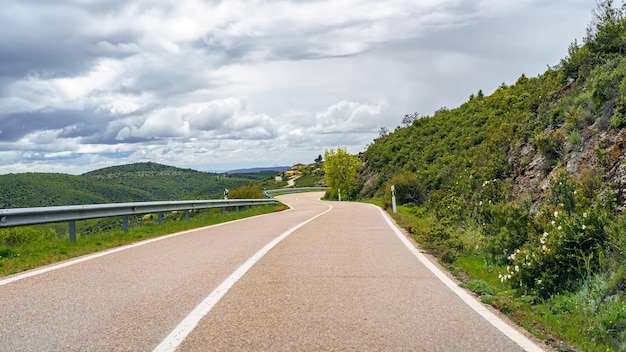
x=556, y=214
x=560, y=228
x=584, y=215
x=553, y=223
x=516, y=268
x=584, y=227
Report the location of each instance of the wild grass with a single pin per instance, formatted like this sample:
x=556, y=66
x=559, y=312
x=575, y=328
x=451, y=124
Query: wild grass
x=24, y=248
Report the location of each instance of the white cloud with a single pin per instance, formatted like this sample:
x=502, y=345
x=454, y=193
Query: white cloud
x=347, y=117
x=207, y=84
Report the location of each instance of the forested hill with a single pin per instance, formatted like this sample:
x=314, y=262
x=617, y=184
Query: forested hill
x=524, y=190
x=126, y=183
x=571, y=117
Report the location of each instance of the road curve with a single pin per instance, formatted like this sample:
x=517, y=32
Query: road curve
x=129, y=300
x=344, y=282
x=321, y=276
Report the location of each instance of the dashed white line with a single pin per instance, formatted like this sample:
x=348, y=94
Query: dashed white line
x=186, y=326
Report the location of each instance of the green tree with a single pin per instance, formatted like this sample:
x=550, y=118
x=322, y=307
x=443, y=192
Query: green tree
x=606, y=31
x=342, y=173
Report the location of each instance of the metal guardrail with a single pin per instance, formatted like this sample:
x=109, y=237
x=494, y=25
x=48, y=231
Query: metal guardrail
x=295, y=190
x=72, y=213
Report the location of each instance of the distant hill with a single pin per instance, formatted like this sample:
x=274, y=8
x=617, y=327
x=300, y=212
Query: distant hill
x=47, y=189
x=259, y=169
x=138, y=182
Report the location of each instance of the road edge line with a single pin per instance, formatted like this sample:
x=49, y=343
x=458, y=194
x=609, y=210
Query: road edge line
x=87, y=257
x=510, y=332
x=186, y=326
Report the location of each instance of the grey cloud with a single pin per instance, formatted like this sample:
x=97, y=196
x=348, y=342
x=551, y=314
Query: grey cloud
x=17, y=125
x=83, y=126
x=39, y=156
x=56, y=39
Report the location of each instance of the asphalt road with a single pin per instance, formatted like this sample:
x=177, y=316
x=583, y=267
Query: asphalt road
x=321, y=276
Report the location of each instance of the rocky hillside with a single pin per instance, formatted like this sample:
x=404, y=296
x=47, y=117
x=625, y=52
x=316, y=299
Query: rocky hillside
x=522, y=192
x=571, y=117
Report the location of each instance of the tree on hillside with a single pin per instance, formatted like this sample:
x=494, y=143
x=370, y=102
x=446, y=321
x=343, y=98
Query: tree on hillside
x=383, y=131
x=409, y=118
x=342, y=173
x=606, y=31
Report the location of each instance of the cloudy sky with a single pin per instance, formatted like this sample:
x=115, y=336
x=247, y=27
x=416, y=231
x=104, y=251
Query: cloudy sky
x=218, y=85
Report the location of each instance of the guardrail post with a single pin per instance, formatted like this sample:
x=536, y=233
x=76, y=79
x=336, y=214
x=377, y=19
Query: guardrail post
x=160, y=216
x=125, y=223
x=186, y=214
x=237, y=208
x=223, y=210
x=72, y=231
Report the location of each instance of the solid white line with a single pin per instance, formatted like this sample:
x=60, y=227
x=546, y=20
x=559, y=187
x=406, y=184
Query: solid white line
x=85, y=258
x=186, y=326
x=470, y=300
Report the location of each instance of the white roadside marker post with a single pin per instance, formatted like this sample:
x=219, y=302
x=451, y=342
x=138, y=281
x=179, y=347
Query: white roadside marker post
x=393, y=198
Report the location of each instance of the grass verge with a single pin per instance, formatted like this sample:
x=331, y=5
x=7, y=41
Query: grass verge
x=24, y=248
x=591, y=318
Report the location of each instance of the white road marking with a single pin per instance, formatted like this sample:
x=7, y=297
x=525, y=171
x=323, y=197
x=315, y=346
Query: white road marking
x=186, y=326
x=471, y=301
x=85, y=258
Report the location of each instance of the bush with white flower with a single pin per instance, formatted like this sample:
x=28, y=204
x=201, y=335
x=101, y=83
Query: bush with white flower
x=567, y=248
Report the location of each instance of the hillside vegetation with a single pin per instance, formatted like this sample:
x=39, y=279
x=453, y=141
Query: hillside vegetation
x=127, y=183
x=522, y=191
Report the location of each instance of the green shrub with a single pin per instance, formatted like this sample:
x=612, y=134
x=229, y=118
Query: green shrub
x=563, y=189
x=246, y=192
x=550, y=145
x=568, y=251
x=618, y=120
x=19, y=235
x=443, y=242
x=574, y=138
x=605, y=310
x=409, y=189
x=603, y=157
x=7, y=252
x=507, y=230
x=607, y=80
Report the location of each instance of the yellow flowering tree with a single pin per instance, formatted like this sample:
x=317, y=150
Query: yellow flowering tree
x=342, y=173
